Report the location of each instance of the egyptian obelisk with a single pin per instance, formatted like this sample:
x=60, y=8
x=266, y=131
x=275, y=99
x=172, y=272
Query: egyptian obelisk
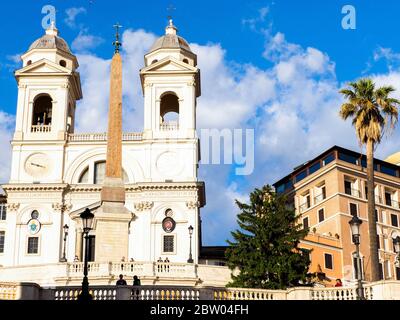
x=112, y=217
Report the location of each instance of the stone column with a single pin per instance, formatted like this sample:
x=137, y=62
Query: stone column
x=78, y=244
x=112, y=218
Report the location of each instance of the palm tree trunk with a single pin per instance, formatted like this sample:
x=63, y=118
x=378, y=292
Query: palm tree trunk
x=371, y=213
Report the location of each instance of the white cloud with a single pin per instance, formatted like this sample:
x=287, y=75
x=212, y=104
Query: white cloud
x=7, y=122
x=85, y=42
x=16, y=58
x=72, y=13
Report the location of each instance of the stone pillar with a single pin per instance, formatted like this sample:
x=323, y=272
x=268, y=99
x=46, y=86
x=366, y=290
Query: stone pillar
x=112, y=218
x=78, y=244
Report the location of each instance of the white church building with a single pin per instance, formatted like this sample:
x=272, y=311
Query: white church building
x=56, y=174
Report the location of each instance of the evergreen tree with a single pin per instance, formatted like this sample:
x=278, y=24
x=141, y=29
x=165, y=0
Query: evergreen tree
x=265, y=249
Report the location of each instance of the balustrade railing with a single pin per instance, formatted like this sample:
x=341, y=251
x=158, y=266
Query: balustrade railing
x=8, y=291
x=40, y=128
x=353, y=192
x=152, y=269
x=169, y=126
x=83, y=137
x=249, y=294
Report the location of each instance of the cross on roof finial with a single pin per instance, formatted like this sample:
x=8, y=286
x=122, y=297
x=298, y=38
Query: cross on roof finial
x=117, y=44
x=170, y=9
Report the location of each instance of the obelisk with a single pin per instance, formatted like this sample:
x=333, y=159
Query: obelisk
x=112, y=218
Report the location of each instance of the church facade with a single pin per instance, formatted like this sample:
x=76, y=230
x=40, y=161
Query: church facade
x=56, y=173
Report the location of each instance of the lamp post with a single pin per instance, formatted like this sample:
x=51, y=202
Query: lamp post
x=87, y=221
x=65, y=228
x=190, y=260
x=355, y=224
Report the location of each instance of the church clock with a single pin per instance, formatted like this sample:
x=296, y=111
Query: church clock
x=37, y=165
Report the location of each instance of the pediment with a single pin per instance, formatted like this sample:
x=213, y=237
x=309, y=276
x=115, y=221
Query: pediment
x=169, y=64
x=42, y=66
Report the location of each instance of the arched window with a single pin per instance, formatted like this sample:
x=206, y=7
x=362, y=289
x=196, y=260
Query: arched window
x=84, y=178
x=154, y=61
x=29, y=63
x=99, y=172
x=42, y=110
x=98, y=175
x=186, y=61
x=169, y=109
x=63, y=63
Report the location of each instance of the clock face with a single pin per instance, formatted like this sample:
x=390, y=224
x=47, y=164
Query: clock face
x=37, y=165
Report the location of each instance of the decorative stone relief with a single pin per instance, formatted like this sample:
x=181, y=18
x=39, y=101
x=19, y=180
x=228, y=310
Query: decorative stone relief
x=193, y=204
x=61, y=207
x=12, y=206
x=144, y=205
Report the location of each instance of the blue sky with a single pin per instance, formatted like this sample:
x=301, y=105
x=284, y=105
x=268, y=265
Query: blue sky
x=275, y=66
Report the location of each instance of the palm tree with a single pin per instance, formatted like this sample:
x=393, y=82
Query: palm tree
x=373, y=112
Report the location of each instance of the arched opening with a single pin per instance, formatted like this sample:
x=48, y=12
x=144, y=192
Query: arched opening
x=63, y=63
x=84, y=178
x=154, y=61
x=186, y=61
x=42, y=112
x=99, y=174
x=29, y=63
x=169, y=111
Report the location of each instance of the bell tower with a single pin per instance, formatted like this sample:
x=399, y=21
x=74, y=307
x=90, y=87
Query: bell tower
x=48, y=88
x=171, y=85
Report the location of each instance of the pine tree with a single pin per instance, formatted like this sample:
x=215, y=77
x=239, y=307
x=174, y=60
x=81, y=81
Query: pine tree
x=265, y=249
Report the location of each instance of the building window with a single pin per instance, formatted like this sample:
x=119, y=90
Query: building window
x=305, y=201
x=353, y=209
x=395, y=222
x=63, y=63
x=320, y=192
x=3, y=212
x=99, y=172
x=2, y=240
x=169, y=244
x=397, y=273
x=321, y=215
x=328, y=261
x=33, y=245
x=350, y=188
x=378, y=242
x=380, y=271
x=306, y=224
x=376, y=215
x=388, y=198
x=84, y=178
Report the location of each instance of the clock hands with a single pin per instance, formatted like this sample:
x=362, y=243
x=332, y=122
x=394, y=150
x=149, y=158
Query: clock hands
x=37, y=165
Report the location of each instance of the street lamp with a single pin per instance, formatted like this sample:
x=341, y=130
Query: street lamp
x=190, y=260
x=64, y=258
x=355, y=224
x=87, y=221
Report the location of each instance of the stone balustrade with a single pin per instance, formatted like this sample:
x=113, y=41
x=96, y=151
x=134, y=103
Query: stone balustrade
x=382, y=290
x=141, y=269
x=40, y=128
x=8, y=291
x=94, y=137
x=169, y=126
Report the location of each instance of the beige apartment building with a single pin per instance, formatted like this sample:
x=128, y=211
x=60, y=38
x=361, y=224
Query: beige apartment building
x=326, y=192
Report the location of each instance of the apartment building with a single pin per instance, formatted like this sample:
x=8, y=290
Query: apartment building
x=326, y=192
